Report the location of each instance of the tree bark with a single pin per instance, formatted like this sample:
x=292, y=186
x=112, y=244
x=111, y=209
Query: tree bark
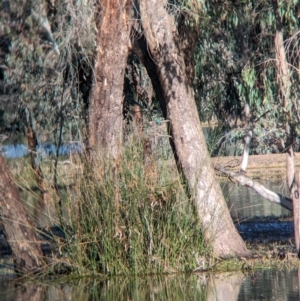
x=189, y=142
x=106, y=99
x=35, y=165
x=18, y=226
x=32, y=146
x=284, y=92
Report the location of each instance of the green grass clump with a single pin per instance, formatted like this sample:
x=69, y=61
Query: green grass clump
x=133, y=223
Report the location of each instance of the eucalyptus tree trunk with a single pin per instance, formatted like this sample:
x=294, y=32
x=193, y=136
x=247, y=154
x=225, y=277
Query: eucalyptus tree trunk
x=18, y=226
x=167, y=70
x=177, y=100
x=283, y=79
x=106, y=100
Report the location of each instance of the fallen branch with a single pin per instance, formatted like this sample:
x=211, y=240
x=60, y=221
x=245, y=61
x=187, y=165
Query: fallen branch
x=259, y=188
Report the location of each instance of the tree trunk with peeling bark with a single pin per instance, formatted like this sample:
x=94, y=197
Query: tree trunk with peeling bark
x=106, y=100
x=18, y=226
x=189, y=143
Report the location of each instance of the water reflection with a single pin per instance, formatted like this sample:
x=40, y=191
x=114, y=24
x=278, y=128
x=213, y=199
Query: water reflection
x=271, y=284
x=268, y=285
x=225, y=287
x=167, y=288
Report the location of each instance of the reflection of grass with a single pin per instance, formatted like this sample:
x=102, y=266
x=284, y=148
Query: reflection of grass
x=179, y=288
x=159, y=288
x=142, y=224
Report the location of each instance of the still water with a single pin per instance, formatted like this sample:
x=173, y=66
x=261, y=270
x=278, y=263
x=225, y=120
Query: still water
x=277, y=285
x=244, y=203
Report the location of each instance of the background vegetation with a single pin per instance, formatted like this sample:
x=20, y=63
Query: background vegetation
x=47, y=58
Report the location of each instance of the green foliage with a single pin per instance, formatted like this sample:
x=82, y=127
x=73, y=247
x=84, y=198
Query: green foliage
x=235, y=64
x=234, y=59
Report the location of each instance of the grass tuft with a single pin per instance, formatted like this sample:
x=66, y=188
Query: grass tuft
x=140, y=223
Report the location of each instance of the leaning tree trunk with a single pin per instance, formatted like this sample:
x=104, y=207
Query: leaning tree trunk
x=106, y=99
x=189, y=142
x=18, y=226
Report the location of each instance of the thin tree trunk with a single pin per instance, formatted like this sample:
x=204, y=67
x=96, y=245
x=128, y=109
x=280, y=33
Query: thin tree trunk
x=35, y=164
x=18, y=226
x=106, y=99
x=105, y=122
x=189, y=142
x=139, y=127
x=247, y=142
x=284, y=89
x=38, y=173
x=247, y=139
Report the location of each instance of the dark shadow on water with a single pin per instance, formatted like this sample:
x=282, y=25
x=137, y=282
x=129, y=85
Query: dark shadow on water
x=266, y=231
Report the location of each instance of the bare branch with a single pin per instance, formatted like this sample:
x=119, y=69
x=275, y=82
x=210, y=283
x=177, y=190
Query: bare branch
x=267, y=194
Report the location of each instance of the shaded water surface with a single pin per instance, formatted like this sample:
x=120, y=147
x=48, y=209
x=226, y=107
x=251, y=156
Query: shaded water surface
x=256, y=218
x=262, y=285
x=244, y=203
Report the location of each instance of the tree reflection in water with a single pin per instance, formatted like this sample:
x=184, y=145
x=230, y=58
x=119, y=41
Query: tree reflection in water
x=271, y=284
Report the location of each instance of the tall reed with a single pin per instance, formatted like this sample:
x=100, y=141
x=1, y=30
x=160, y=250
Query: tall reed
x=148, y=226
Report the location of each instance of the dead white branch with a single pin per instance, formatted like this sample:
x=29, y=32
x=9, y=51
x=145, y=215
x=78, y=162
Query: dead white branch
x=259, y=188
